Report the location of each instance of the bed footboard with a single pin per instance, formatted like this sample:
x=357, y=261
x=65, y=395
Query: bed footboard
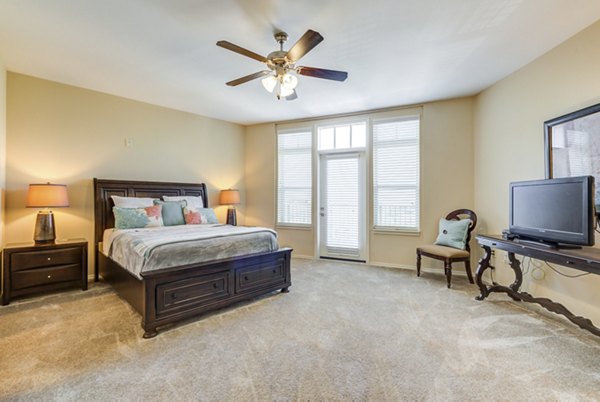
x=173, y=294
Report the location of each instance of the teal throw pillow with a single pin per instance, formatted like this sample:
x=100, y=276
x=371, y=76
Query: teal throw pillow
x=453, y=233
x=172, y=212
x=134, y=218
x=208, y=215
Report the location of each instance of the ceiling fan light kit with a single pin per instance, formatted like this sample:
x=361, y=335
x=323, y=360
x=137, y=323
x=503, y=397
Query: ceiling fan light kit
x=281, y=76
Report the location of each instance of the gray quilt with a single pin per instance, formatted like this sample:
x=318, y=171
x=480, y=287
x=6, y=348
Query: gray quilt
x=143, y=250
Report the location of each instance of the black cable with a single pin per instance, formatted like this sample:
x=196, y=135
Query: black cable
x=565, y=275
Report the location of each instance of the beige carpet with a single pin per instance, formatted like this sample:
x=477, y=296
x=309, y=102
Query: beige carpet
x=344, y=332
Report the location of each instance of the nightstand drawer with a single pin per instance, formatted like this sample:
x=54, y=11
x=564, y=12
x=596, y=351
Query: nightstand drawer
x=44, y=276
x=37, y=259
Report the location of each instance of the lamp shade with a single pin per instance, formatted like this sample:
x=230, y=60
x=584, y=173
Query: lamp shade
x=229, y=197
x=47, y=195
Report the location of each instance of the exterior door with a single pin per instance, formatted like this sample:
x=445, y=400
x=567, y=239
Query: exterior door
x=342, y=206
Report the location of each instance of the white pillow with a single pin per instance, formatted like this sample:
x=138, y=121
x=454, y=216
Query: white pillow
x=193, y=203
x=132, y=202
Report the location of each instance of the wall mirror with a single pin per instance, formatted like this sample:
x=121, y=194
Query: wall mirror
x=572, y=146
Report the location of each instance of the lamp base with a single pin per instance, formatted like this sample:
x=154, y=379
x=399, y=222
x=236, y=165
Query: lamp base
x=231, y=217
x=44, y=228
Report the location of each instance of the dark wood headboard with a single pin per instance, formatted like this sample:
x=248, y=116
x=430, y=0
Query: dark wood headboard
x=103, y=189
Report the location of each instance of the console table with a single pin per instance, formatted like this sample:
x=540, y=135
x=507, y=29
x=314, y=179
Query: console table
x=585, y=259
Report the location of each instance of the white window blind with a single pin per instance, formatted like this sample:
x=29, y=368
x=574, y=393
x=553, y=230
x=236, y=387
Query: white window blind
x=396, y=174
x=343, y=205
x=294, y=178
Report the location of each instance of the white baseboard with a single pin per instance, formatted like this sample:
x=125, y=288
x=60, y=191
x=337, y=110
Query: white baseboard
x=303, y=257
x=429, y=270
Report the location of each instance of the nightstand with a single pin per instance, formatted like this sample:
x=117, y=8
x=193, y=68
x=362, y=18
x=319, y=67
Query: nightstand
x=28, y=268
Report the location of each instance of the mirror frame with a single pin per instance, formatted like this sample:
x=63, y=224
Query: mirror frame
x=548, y=125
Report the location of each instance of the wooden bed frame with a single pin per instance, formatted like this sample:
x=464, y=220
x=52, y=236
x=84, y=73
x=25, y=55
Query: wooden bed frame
x=173, y=294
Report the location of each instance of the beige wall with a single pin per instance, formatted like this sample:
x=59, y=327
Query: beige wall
x=446, y=178
x=509, y=146
x=2, y=148
x=70, y=135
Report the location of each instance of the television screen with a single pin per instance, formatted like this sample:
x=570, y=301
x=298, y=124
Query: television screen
x=555, y=210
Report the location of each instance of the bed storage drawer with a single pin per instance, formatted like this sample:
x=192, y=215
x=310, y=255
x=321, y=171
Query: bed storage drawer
x=260, y=276
x=182, y=294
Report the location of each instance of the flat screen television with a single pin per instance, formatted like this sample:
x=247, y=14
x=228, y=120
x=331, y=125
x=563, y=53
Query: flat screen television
x=554, y=211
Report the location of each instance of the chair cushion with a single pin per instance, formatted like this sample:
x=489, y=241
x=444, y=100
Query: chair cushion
x=453, y=233
x=443, y=251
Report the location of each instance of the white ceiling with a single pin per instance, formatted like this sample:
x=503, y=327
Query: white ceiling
x=396, y=52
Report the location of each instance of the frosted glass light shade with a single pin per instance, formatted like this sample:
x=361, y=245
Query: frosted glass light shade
x=285, y=91
x=269, y=83
x=289, y=81
x=47, y=196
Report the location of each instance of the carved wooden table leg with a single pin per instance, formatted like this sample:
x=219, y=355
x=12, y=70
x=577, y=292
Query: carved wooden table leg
x=484, y=263
x=515, y=264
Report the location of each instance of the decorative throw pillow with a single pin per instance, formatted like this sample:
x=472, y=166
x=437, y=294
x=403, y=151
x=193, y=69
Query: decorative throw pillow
x=193, y=218
x=206, y=215
x=172, y=212
x=453, y=233
x=132, y=202
x=192, y=202
x=133, y=218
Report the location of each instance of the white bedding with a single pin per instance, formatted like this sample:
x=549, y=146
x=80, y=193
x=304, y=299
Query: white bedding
x=142, y=250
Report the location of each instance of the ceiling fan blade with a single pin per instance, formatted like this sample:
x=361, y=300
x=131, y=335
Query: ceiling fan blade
x=293, y=96
x=244, y=52
x=305, y=44
x=323, y=73
x=249, y=77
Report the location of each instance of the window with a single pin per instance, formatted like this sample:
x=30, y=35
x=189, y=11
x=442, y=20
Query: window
x=396, y=174
x=294, y=178
x=344, y=136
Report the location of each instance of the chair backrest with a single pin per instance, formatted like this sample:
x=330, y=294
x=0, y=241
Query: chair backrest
x=456, y=215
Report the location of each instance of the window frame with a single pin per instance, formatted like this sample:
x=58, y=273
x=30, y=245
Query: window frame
x=292, y=225
x=342, y=122
x=404, y=230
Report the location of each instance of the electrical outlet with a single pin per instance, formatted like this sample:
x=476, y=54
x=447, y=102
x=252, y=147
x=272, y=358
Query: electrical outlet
x=128, y=142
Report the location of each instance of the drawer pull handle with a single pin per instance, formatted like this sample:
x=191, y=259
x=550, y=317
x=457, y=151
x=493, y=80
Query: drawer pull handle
x=173, y=296
x=215, y=285
x=49, y=276
x=274, y=271
x=49, y=258
x=245, y=278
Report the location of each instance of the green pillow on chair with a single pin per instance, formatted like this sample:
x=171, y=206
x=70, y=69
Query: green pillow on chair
x=453, y=233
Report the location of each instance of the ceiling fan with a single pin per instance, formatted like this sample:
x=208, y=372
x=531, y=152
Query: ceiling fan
x=282, y=64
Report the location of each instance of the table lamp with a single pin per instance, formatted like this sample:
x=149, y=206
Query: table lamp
x=46, y=196
x=230, y=197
